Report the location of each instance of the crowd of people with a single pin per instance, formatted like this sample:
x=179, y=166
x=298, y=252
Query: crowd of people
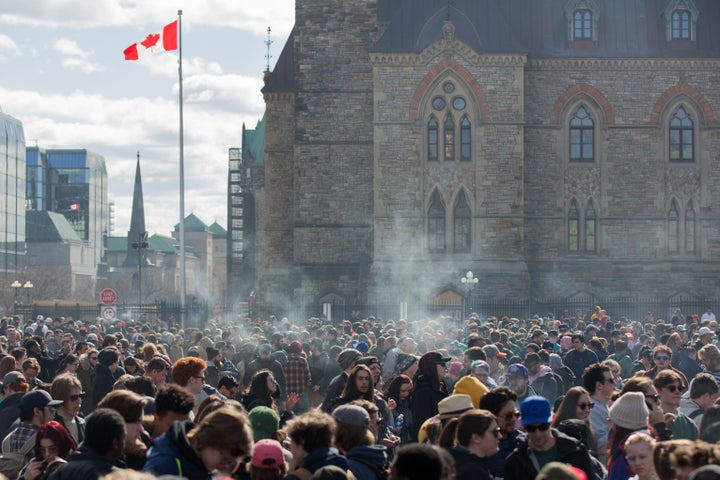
x=581, y=397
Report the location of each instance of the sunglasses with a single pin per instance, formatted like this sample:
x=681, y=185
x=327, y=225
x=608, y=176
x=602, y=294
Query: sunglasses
x=586, y=406
x=511, y=416
x=543, y=427
x=664, y=358
x=76, y=397
x=496, y=431
x=655, y=396
x=674, y=388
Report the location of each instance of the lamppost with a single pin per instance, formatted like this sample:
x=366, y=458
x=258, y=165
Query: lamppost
x=27, y=286
x=140, y=245
x=469, y=280
x=16, y=288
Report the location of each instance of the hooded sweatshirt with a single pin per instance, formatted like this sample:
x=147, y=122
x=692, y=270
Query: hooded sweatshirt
x=172, y=454
x=366, y=461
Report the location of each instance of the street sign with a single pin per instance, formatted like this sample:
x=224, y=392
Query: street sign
x=217, y=309
x=108, y=296
x=108, y=313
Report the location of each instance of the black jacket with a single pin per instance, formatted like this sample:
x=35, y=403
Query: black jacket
x=84, y=465
x=569, y=451
x=469, y=466
x=424, y=403
x=103, y=383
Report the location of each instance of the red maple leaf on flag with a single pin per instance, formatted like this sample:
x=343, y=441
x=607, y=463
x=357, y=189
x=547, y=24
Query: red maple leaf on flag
x=151, y=40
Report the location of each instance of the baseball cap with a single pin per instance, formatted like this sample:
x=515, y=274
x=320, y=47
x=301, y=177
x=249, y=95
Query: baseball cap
x=454, y=405
x=517, y=370
x=493, y=351
x=267, y=454
x=13, y=377
x=705, y=331
x=351, y=415
x=37, y=399
x=535, y=409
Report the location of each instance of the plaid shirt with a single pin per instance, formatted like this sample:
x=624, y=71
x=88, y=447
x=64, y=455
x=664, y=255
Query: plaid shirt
x=21, y=435
x=297, y=374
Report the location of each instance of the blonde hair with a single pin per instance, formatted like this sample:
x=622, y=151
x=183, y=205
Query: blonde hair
x=225, y=429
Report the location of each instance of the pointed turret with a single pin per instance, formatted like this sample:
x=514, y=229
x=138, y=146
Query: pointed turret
x=137, y=233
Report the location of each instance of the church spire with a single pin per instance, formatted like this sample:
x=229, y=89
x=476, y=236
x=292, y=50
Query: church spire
x=137, y=232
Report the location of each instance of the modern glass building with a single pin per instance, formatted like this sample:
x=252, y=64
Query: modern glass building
x=79, y=190
x=12, y=194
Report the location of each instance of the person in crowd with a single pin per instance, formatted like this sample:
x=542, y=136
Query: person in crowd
x=14, y=386
x=218, y=442
x=703, y=393
x=354, y=439
x=417, y=461
x=481, y=370
x=347, y=359
x=264, y=391
x=517, y=380
x=68, y=364
x=662, y=356
x=577, y=405
x=469, y=385
x=108, y=362
x=67, y=388
x=86, y=375
x=616, y=371
x=265, y=424
x=477, y=438
x=311, y=437
x=494, y=357
x=628, y=414
x=657, y=418
x=228, y=386
x=710, y=358
x=267, y=461
x=544, y=444
x=428, y=388
x=639, y=456
x=600, y=384
x=471, y=355
x=358, y=386
x=189, y=372
x=501, y=403
x=297, y=376
x=579, y=358
x=53, y=446
x=541, y=378
x=134, y=366
x=669, y=387
x=266, y=361
x=37, y=407
x=157, y=370
x=31, y=369
x=399, y=391
x=131, y=406
x=101, y=451
x=623, y=358
x=172, y=403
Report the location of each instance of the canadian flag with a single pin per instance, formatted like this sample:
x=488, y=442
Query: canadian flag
x=74, y=206
x=167, y=39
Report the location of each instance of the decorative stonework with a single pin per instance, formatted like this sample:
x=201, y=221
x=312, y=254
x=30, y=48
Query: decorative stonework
x=682, y=182
x=448, y=178
x=582, y=182
x=635, y=64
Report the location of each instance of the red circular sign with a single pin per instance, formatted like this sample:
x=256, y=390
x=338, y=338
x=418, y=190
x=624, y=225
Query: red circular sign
x=217, y=309
x=108, y=296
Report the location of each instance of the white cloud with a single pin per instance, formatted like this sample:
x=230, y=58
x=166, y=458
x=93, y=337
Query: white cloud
x=78, y=58
x=8, y=48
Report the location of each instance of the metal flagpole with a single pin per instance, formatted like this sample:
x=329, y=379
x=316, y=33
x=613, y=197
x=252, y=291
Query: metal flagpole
x=182, y=181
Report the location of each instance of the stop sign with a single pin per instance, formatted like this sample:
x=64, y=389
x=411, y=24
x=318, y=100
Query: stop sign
x=108, y=296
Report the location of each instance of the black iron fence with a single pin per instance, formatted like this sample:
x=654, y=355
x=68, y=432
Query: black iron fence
x=632, y=307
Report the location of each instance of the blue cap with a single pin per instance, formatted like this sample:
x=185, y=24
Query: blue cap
x=535, y=409
x=517, y=370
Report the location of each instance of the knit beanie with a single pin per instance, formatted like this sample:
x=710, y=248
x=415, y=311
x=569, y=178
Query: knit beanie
x=471, y=386
x=629, y=411
x=264, y=422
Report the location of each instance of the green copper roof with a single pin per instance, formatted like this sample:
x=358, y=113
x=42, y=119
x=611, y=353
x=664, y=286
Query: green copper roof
x=217, y=230
x=192, y=224
x=253, y=145
x=48, y=226
x=116, y=244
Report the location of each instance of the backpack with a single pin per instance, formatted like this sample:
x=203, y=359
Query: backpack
x=567, y=377
x=12, y=462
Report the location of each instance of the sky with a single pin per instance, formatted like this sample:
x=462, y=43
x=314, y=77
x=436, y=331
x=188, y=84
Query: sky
x=63, y=74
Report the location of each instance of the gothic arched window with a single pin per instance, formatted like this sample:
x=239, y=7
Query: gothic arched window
x=465, y=142
x=432, y=138
x=681, y=137
x=436, y=224
x=673, y=226
x=573, y=227
x=690, y=229
x=680, y=21
x=461, y=224
x=449, y=138
x=582, y=25
x=582, y=137
x=590, y=228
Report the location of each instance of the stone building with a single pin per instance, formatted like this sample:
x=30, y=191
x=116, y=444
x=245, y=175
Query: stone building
x=552, y=147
